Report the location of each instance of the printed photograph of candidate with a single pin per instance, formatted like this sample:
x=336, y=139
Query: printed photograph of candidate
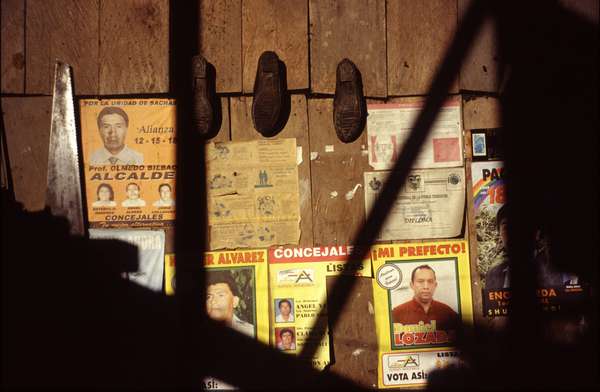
x=230, y=298
x=284, y=310
x=428, y=293
x=113, y=123
x=285, y=338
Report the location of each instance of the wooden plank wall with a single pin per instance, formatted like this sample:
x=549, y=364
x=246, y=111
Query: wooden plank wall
x=122, y=47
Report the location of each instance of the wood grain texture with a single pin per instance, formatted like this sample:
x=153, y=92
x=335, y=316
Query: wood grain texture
x=280, y=26
x=296, y=127
x=221, y=41
x=480, y=67
x=418, y=34
x=353, y=29
x=481, y=112
x=134, y=46
x=12, y=61
x=354, y=339
x=337, y=168
x=27, y=124
x=224, y=134
x=66, y=30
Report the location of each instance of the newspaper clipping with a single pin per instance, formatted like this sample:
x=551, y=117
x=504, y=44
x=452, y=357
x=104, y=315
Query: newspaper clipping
x=389, y=125
x=422, y=295
x=253, y=194
x=430, y=204
x=129, y=161
x=299, y=294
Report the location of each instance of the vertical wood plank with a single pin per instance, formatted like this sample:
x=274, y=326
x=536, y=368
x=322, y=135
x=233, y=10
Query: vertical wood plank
x=481, y=112
x=27, y=124
x=354, y=340
x=418, y=35
x=353, y=29
x=224, y=134
x=134, y=46
x=336, y=169
x=66, y=30
x=280, y=26
x=480, y=67
x=296, y=127
x=221, y=41
x=12, y=14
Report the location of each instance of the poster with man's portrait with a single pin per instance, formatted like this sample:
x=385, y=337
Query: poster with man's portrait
x=422, y=294
x=129, y=161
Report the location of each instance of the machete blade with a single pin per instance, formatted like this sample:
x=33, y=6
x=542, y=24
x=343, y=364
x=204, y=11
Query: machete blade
x=63, y=194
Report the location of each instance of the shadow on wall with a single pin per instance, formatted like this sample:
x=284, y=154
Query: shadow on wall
x=68, y=319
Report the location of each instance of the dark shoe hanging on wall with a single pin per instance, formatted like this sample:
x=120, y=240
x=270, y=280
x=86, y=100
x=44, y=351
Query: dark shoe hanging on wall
x=349, y=105
x=203, y=113
x=268, y=105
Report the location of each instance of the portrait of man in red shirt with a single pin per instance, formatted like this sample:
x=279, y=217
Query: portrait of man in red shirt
x=422, y=307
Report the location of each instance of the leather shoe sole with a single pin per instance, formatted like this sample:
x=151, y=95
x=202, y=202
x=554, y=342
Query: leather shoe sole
x=269, y=94
x=349, y=106
x=203, y=114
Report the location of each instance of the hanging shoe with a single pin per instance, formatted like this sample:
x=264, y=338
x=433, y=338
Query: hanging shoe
x=269, y=95
x=349, y=105
x=203, y=113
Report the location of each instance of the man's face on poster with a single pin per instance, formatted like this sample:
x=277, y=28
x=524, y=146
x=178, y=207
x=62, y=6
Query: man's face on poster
x=220, y=302
x=133, y=192
x=286, y=339
x=284, y=308
x=424, y=285
x=165, y=193
x=113, y=129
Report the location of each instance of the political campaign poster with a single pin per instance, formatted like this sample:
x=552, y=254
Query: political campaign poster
x=253, y=194
x=150, y=246
x=298, y=292
x=128, y=147
x=422, y=294
x=430, y=203
x=389, y=126
x=236, y=294
x=556, y=290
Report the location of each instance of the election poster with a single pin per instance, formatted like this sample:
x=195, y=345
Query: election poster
x=430, y=203
x=236, y=294
x=129, y=161
x=298, y=295
x=389, y=126
x=422, y=294
x=556, y=290
x=150, y=246
x=253, y=194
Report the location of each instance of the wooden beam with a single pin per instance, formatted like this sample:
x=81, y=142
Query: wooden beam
x=66, y=30
x=280, y=26
x=353, y=29
x=134, y=46
x=12, y=13
x=221, y=41
x=418, y=35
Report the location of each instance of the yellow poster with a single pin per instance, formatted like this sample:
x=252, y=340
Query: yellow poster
x=236, y=294
x=422, y=294
x=129, y=161
x=253, y=194
x=239, y=278
x=299, y=294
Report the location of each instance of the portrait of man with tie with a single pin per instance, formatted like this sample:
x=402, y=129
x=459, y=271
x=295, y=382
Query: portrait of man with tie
x=113, y=123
